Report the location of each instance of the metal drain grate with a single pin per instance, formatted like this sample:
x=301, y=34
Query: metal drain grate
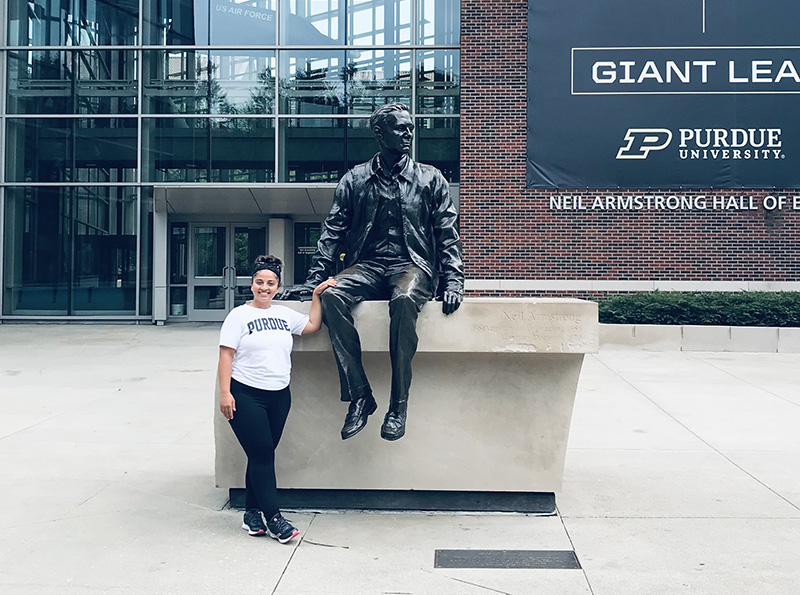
x=560, y=559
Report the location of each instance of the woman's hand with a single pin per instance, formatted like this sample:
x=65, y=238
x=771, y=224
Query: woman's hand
x=329, y=282
x=227, y=404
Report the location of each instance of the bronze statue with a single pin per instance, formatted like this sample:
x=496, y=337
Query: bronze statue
x=395, y=223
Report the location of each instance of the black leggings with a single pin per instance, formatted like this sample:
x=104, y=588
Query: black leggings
x=258, y=424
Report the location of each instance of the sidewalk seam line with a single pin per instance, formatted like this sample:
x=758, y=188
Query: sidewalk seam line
x=695, y=434
x=744, y=380
x=289, y=561
x=572, y=545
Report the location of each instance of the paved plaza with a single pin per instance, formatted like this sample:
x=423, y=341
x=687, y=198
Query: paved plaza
x=682, y=477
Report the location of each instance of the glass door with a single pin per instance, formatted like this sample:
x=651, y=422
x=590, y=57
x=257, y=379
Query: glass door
x=248, y=242
x=222, y=255
x=208, y=299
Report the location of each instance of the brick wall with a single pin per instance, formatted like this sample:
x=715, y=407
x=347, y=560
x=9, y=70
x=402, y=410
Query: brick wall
x=510, y=232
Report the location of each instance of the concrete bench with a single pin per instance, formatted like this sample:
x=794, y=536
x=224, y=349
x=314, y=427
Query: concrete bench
x=489, y=410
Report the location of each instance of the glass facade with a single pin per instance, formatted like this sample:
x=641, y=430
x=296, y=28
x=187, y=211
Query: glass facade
x=73, y=250
x=105, y=100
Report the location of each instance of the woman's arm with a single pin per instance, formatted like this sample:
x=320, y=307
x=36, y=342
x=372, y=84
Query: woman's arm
x=315, y=315
x=227, y=404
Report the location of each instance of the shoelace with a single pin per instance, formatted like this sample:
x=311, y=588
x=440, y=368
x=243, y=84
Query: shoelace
x=280, y=526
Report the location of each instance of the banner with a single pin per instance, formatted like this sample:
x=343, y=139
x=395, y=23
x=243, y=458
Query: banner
x=663, y=94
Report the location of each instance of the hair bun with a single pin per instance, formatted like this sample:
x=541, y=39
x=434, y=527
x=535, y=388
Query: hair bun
x=270, y=261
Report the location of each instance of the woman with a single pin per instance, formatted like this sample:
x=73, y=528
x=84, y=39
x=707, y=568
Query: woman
x=254, y=365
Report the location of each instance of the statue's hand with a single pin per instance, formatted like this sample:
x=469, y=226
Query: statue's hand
x=451, y=300
x=296, y=292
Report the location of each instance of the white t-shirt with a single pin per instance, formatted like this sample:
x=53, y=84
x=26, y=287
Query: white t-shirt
x=262, y=338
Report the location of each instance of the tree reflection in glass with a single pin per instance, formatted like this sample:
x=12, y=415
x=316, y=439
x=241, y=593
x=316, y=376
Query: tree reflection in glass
x=312, y=82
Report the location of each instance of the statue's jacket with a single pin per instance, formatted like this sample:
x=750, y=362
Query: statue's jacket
x=429, y=223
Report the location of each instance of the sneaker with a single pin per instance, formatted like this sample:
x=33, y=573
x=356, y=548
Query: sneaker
x=280, y=529
x=253, y=523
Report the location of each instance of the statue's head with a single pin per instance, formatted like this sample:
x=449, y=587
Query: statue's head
x=393, y=128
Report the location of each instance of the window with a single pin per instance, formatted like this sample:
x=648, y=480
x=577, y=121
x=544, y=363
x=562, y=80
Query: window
x=71, y=250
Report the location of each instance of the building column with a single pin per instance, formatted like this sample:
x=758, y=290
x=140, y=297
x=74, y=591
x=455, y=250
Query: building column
x=281, y=244
x=160, y=256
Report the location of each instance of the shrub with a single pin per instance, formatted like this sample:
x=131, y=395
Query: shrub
x=746, y=308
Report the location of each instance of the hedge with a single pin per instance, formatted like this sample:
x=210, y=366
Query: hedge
x=746, y=308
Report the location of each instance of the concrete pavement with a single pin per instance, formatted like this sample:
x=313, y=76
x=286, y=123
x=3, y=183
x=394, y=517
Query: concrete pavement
x=682, y=476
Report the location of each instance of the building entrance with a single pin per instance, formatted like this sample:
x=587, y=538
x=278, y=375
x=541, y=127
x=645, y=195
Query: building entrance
x=211, y=266
x=205, y=239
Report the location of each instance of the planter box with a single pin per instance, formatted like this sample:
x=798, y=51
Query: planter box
x=651, y=337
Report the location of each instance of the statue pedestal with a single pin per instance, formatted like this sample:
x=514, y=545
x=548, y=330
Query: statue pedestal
x=489, y=410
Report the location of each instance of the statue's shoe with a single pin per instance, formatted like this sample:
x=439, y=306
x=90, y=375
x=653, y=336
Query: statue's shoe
x=357, y=415
x=394, y=425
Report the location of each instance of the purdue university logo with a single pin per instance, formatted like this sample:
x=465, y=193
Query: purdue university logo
x=640, y=141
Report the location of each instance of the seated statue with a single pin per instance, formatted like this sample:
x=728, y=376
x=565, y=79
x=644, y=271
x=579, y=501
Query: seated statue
x=395, y=223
